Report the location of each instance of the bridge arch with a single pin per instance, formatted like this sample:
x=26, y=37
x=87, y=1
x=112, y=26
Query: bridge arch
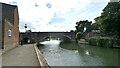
x=62, y=38
x=39, y=36
x=27, y=40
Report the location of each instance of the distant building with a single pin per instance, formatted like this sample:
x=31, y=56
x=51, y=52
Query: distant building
x=9, y=26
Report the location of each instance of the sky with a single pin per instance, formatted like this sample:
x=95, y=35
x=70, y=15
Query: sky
x=55, y=15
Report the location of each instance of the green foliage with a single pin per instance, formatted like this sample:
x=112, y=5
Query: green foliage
x=103, y=41
x=109, y=20
x=72, y=31
x=95, y=26
x=83, y=24
x=79, y=35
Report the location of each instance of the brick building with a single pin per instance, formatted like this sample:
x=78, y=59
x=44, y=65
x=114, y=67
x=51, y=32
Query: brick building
x=9, y=26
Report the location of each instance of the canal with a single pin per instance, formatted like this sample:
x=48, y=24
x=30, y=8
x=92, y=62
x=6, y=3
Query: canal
x=72, y=54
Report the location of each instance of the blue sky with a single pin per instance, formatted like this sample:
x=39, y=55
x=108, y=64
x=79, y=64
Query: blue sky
x=56, y=15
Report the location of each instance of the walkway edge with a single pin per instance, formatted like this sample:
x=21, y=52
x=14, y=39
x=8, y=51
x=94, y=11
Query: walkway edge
x=41, y=59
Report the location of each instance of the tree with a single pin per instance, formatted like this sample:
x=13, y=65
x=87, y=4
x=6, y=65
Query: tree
x=71, y=30
x=108, y=22
x=83, y=24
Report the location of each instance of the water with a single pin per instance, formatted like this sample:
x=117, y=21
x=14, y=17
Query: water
x=78, y=55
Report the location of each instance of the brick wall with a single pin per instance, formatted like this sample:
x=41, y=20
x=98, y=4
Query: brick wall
x=10, y=28
x=16, y=27
x=8, y=40
x=0, y=25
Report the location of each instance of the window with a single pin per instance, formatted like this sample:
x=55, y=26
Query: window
x=9, y=33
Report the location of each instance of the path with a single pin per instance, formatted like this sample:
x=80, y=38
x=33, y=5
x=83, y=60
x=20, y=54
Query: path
x=21, y=56
x=0, y=58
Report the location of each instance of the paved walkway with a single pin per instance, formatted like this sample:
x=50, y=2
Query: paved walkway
x=0, y=58
x=21, y=56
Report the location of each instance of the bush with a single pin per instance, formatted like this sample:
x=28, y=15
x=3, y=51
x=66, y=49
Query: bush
x=105, y=42
x=79, y=35
x=116, y=42
x=102, y=41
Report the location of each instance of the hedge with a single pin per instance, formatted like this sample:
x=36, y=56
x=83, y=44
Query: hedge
x=103, y=41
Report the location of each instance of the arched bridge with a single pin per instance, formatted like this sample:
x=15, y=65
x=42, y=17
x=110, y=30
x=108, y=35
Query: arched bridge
x=34, y=37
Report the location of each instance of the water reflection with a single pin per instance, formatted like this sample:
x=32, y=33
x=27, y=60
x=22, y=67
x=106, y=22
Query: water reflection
x=103, y=56
x=87, y=52
x=72, y=54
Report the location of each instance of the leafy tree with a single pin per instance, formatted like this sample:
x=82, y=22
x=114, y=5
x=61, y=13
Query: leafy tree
x=109, y=20
x=83, y=24
x=71, y=30
x=97, y=24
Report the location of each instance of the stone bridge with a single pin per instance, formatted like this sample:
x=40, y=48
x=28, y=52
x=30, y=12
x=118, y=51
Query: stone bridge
x=34, y=37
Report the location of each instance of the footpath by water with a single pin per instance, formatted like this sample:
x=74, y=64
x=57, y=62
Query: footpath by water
x=21, y=56
x=78, y=55
x=0, y=58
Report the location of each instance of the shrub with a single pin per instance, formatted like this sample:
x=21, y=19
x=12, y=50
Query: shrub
x=79, y=35
x=101, y=41
x=105, y=42
x=116, y=42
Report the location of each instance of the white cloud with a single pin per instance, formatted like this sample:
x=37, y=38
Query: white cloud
x=39, y=13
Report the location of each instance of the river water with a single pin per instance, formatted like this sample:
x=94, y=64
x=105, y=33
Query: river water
x=77, y=54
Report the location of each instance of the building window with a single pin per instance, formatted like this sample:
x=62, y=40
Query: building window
x=9, y=33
